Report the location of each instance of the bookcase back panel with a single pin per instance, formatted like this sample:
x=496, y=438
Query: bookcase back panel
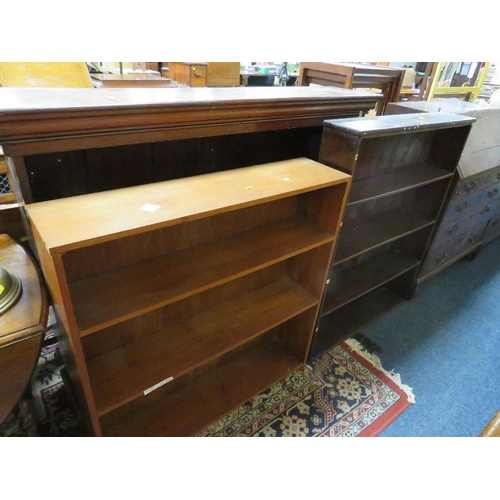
x=164, y=318
x=204, y=394
x=76, y=172
x=422, y=200
x=123, y=252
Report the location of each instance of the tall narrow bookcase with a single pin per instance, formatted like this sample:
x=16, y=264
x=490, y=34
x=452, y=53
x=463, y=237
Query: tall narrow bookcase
x=182, y=299
x=401, y=167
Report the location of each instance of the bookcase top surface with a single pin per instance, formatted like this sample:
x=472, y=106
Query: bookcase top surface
x=40, y=120
x=15, y=101
x=69, y=223
x=381, y=125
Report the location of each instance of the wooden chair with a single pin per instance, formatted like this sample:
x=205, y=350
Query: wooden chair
x=385, y=79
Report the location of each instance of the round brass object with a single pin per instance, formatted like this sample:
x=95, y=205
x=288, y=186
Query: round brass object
x=10, y=289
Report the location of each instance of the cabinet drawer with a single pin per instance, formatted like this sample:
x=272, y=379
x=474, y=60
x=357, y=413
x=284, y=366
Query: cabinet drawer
x=198, y=75
x=461, y=206
x=470, y=186
x=440, y=255
x=450, y=230
x=476, y=234
x=494, y=177
x=456, y=246
x=493, y=227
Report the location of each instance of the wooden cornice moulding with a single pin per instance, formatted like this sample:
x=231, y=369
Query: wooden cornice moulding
x=55, y=117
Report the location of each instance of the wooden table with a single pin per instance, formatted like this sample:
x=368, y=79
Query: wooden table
x=21, y=326
x=128, y=80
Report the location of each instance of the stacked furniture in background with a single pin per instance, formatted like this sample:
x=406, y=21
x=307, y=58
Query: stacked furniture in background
x=402, y=167
x=205, y=74
x=386, y=80
x=471, y=216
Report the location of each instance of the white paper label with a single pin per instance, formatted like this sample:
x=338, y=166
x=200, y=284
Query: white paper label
x=149, y=207
x=158, y=385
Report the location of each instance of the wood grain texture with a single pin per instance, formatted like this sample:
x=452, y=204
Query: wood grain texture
x=402, y=167
x=493, y=427
x=21, y=326
x=41, y=120
x=160, y=281
x=45, y=74
x=215, y=392
x=17, y=362
x=386, y=80
x=88, y=219
x=124, y=374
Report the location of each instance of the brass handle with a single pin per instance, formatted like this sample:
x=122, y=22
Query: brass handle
x=453, y=229
x=493, y=193
x=471, y=186
x=485, y=210
x=462, y=207
x=441, y=257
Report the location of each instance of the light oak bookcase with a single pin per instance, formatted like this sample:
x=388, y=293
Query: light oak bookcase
x=184, y=298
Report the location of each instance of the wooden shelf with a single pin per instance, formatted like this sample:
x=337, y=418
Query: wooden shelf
x=82, y=221
x=150, y=284
x=349, y=285
x=201, y=303
x=123, y=374
x=363, y=234
x=191, y=408
x=401, y=167
x=395, y=182
x=352, y=318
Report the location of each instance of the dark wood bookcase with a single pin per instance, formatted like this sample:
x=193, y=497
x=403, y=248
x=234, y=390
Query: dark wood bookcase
x=184, y=298
x=401, y=169
x=471, y=216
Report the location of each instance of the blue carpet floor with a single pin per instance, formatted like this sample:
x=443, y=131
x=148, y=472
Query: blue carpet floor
x=445, y=344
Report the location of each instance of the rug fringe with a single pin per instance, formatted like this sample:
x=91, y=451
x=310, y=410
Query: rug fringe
x=375, y=361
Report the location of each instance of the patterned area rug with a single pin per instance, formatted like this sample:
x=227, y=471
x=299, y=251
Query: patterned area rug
x=344, y=392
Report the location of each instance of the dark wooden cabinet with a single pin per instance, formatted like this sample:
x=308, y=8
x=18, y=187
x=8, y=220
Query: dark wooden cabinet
x=401, y=169
x=471, y=213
